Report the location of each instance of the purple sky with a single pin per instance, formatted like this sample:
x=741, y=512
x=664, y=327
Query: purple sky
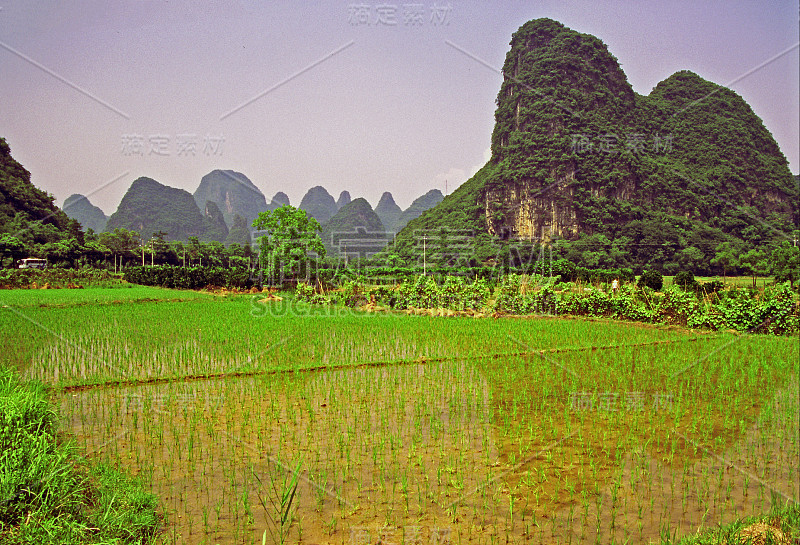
x=362, y=107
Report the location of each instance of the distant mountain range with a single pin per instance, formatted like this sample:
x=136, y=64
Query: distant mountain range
x=149, y=207
x=233, y=193
x=225, y=204
x=89, y=216
x=355, y=230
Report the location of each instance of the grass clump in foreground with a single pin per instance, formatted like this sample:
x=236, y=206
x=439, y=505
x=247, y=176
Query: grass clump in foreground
x=48, y=493
x=780, y=527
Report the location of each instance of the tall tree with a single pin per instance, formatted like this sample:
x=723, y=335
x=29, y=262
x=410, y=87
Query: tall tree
x=784, y=263
x=289, y=236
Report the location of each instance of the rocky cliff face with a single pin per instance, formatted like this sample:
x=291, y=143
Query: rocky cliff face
x=233, y=193
x=575, y=150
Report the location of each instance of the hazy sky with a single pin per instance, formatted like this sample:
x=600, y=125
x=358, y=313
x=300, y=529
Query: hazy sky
x=294, y=94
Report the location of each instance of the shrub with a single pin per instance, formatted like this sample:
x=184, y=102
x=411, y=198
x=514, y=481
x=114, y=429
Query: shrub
x=652, y=280
x=304, y=291
x=190, y=278
x=685, y=280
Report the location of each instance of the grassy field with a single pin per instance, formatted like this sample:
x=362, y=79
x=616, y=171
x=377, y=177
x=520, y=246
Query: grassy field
x=412, y=429
x=738, y=281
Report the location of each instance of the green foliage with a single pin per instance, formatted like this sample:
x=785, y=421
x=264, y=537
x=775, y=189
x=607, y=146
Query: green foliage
x=784, y=263
x=685, y=280
x=705, y=306
x=55, y=278
x=239, y=233
x=47, y=493
x=290, y=236
x=190, y=278
x=651, y=279
x=150, y=207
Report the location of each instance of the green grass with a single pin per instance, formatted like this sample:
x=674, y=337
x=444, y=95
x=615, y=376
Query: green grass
x=461, y=423
x=116, y=294
x=738, y=281
x=784, y=518
x=156, y=334
x=48, y=492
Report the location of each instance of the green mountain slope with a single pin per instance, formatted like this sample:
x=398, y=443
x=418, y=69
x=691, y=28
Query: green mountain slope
x=388, y=211
x=239, y=232
x=420, y=205
x=233, y=193
x=355, y=229
x=577, y=155
x=319, y=204
x=26, y=212
x=149, y=207
x=214, y=226
x=84, y=212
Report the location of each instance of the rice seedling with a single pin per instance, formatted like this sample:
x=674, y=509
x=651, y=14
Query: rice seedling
x=453, y=422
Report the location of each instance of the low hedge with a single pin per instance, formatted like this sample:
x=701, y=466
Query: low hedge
x=191, y=278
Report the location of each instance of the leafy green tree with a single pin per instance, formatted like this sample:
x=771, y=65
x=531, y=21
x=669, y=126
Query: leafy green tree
x=194, y=250
x=690, y=259
x=289, y=235
x=756, y=262
x=95, y=253
x=727, y=257
x=651, y=279
x=122, y=243
x=784, y=263
x=12, y=247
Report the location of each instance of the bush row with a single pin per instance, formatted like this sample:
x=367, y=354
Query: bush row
x=191, y=278
x=773, y=310
x=56, y=278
